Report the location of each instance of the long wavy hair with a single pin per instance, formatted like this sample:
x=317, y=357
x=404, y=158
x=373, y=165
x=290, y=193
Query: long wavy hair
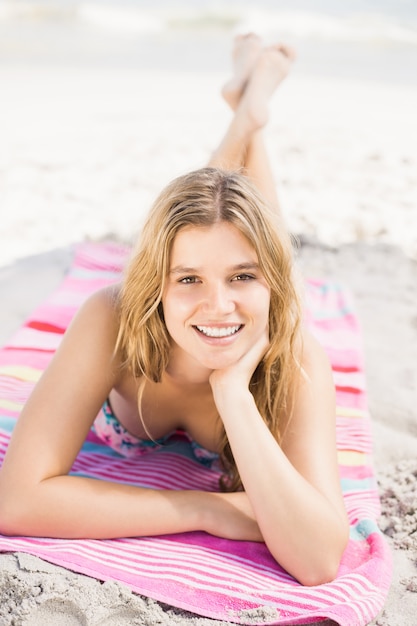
x=203, y=198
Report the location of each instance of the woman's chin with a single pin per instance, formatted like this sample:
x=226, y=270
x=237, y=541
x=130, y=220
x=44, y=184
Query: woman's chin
x=218, y=362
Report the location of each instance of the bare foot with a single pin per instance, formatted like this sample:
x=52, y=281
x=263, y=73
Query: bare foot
x=270, y=69
x=246, y=51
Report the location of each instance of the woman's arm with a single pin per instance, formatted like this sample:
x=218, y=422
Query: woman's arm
x=39, y=498
x=294, y=489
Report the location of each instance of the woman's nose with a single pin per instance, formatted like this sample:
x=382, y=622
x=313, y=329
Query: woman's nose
x=219, y=300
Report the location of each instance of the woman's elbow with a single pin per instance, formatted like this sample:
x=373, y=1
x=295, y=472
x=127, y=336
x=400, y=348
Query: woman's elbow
x=326, y=570
x=8, y=520
x=320, y=575
x=317, y=562
x=14, y=513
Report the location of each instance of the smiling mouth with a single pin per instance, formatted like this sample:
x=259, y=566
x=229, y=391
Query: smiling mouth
x=218, y=332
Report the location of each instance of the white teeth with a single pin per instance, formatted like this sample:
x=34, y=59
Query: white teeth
x=213, y=331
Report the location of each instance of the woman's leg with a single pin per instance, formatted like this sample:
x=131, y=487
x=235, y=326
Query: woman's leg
x=257, y=73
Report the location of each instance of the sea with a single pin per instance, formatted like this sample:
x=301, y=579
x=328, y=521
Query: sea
x=359, y=39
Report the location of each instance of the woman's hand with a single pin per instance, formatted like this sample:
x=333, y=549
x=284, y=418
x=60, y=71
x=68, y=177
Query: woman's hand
x=230, y=515
x=241, y=371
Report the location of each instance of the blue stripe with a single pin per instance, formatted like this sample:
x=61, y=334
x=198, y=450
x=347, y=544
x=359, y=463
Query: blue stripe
x=325, y=314
x=7, y=423
x=358, y=484
x=97, y=448
x=363, y=529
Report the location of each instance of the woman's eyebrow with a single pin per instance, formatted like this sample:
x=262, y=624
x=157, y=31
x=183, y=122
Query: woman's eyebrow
x=250, y=265
x=182, y=269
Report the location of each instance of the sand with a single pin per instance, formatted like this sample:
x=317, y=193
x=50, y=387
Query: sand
x=85, y=159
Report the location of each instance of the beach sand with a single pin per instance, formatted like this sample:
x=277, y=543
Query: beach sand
x=82, y=155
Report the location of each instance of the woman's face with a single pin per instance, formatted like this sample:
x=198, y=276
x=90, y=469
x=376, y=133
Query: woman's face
x=216, y=301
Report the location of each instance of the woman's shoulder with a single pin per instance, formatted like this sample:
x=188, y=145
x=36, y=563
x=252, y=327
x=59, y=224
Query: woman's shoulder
x=97, y=320
x=312, y=353
x=103, y=304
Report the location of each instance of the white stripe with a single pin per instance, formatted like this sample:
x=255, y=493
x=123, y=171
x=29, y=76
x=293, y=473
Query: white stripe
x=32, y=338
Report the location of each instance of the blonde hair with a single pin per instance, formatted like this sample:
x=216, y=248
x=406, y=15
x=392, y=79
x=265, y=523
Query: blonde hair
x=203, y=198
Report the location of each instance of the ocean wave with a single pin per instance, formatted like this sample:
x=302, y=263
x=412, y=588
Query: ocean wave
x=120, y=17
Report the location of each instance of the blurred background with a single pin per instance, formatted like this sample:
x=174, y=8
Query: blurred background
x=366, y=39
x=102, y=102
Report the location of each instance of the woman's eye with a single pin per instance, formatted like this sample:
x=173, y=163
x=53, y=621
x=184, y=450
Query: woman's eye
x=241, y=277
x=188, y=280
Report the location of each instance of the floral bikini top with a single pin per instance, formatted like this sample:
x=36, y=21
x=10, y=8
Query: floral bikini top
x=108, y=428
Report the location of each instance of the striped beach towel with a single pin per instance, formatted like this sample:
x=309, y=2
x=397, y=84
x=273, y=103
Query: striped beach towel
x=228, y=580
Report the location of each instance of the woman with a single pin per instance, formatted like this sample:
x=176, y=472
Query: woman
x=203, y=335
